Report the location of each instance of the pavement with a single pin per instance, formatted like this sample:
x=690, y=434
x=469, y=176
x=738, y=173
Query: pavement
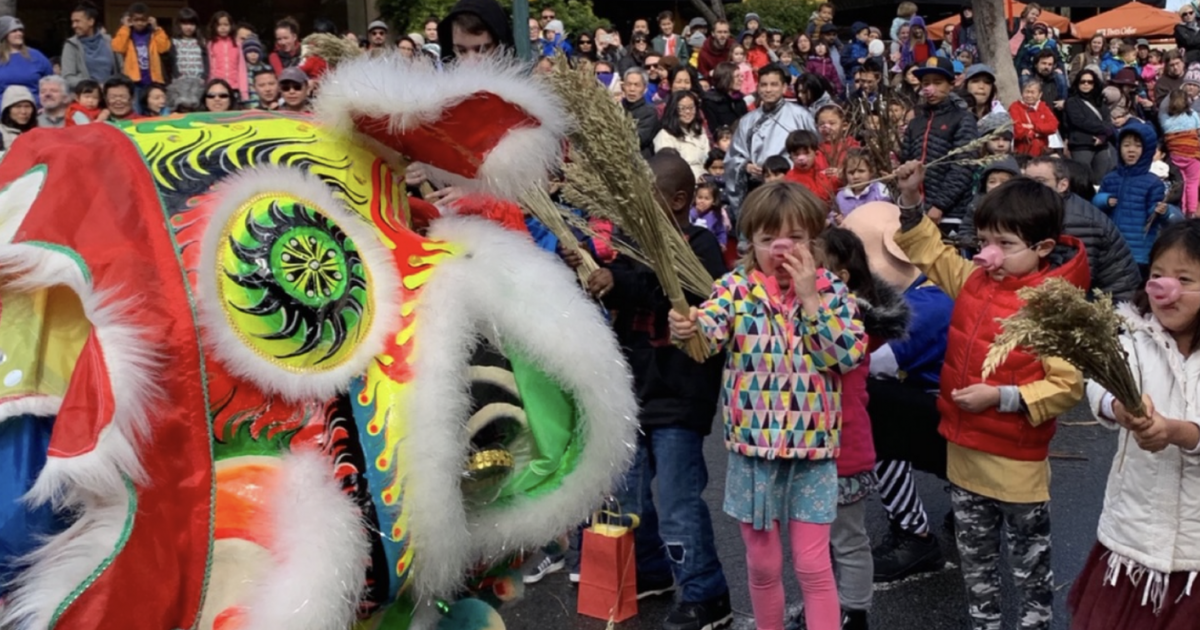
x=1080, y=457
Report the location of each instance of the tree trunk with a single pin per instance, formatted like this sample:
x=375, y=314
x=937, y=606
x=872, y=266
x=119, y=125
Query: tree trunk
x=8, y=7
x=992, y=32
x=712, y=10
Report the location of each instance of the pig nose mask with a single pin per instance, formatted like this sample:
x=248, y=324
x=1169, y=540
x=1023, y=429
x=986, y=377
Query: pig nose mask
x=1165, y=291
x=990, y=258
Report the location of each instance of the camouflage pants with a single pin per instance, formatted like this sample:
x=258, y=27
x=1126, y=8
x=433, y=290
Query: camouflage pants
x=980, y=521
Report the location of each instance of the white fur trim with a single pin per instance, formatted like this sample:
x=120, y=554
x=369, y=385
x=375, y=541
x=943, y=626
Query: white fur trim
x=414, y=93
x=321, y=553
x=506, y=289
x=16, y=200
x=33, y=405
x=64, y=562
x=228, y=346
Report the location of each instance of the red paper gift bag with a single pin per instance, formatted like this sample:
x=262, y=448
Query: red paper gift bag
x=607, y=569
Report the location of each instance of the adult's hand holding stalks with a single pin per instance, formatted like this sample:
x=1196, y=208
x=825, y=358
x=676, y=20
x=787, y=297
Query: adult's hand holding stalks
x=802, y=268
x=571, y=256
x=683, y=327
x=600, y=283
x=976, y=398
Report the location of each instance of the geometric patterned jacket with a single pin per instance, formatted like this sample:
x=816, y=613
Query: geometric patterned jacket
x=782, y=383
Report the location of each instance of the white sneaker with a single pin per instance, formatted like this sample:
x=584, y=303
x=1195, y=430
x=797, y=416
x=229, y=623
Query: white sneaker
x=534, y=573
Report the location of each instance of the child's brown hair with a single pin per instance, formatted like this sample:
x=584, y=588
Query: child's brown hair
x=775, y=205
x=906, y=9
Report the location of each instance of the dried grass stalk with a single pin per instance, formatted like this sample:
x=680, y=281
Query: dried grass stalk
x=608, y=177
x=538, y=203
x=966, y=155
x=1058, y=321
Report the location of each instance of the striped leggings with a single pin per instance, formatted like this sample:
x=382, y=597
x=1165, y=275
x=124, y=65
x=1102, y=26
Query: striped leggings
x=898, y=492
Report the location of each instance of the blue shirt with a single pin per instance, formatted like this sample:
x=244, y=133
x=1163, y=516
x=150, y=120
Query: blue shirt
x=26, y=71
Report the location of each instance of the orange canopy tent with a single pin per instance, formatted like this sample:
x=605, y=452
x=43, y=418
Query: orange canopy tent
x=937, y=29
x=1130, y=20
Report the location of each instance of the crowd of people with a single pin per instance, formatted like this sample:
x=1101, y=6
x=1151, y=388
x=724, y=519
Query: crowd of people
x=848, y=320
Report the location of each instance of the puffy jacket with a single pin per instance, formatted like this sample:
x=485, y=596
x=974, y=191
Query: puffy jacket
x=159, y=45
x=1032, y=127
x=854, y=51
x=782, y=395
x=1151, y=507
x=721, y=110
x=1048, y=386
x=1113, y=269
x=1084, y=122
x=884, y=321
x=226, y=61
x=935, y=131
x=647, y=124
x=1188, y=38
x=1137, y=192
x=825, y=68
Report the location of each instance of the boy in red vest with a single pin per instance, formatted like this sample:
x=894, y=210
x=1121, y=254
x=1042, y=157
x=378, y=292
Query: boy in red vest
x=998, y=429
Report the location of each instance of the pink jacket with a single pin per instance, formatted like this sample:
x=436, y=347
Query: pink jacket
x=227, y=62
x=858, y=447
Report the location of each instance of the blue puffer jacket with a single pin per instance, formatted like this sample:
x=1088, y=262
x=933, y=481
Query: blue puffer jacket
x=1137, y=192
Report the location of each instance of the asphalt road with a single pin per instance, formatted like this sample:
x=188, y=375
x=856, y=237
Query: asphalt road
x=1080, y=458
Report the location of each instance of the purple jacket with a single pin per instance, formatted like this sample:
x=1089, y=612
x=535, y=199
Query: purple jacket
x=714, y=222
x=847, y=201
x=823, y=67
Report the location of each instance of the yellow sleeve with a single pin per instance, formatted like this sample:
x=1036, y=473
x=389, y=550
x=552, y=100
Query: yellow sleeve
x=942, y=263
x=162, y=42
x=120, y=41
x=1054, y=395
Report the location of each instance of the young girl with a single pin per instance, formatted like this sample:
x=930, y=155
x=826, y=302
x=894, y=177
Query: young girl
x=1142, y=570
x=791, y=329
x=885, y=317
x=831, y=123
x=256, y=61
x=88, y=106
x=1033, y=121
x=188, y=50
x=749, y=78
x=224, y=54
x=859, y=170
x=154, y=103
x=707, y=212
x=1181, y=126
x=821, y=65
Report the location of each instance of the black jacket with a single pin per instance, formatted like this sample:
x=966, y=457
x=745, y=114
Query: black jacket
x=672, y=389
x=1189, y=40
x=721, y=110
x=1084, y=124
x=934, y=132
x=647, y=124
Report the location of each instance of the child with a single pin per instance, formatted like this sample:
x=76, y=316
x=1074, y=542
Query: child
x=723, y=138
x=797, y=323
x=904, y=13
x=990, y=178
x=1141, y=570
x=999, y=428
x=820, y=64
x=1181, y=126
x=856, y=53
x=143, y=46
x=831, y=123
x=749, y=76
x=225, y=57
x=189, y=56
x=252, y=51
x=1152, y=70
x=708, y=213
x=885, y=316
x=1130, y=193
x=88, y=106
x=775, y=168
x=1033, y=121
x=859, y=171
x=802, y=146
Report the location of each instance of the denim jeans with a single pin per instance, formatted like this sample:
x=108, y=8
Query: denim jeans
x=677, y=537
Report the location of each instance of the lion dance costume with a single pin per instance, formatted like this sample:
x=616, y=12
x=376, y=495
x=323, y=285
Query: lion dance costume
x=239, y=392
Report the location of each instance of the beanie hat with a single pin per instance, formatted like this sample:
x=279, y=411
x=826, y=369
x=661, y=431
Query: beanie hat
x=9, y=24
x=994, y=121
x=752, y=16
x=1192, y=75
x=554, y=25
x=417, y=39
x=252, y=44
x=1112, y=95
x=858, y=27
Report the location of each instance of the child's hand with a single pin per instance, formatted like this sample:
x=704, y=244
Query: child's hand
x=1154, y=434
x=909, y=177
x=1112, y=202
x=976, y=398
x=803, y=269
x=103, y=115
x=683, y=327
x=600, y=283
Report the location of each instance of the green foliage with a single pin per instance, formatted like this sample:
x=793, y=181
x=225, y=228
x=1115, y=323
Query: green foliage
x=789, y=16
x=576, y=15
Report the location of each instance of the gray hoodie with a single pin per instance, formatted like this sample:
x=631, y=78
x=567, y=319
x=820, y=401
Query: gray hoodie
x=75, y=63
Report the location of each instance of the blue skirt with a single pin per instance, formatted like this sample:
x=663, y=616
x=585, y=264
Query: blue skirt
x=761, y=491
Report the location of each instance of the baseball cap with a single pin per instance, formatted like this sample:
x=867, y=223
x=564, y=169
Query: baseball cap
x=1143, y=42
x=377, y=24
x=828, y=28
x=978, y=69
x=936, y=65
x=295, y=75
x=698, y=22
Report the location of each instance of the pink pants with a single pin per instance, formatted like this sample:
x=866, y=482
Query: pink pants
x=814, y=571
x=1190, y=167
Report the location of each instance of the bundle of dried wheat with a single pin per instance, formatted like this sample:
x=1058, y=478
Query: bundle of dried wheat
x=966, y=155
x=608, y=177
x=538, y=203
x=1058, y=321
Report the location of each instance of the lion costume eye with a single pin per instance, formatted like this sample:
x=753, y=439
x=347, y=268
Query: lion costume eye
x=302, y=291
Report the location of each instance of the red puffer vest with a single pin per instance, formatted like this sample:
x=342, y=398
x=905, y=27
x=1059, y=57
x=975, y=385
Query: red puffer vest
x=973, y=326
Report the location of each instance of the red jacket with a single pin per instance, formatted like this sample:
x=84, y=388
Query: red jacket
x=973, y=327
x=1032, y=128
x=758, y=58
x=710, y=56
x=858, y=447
x=815, y=180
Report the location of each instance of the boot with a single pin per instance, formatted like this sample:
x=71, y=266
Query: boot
x=854, y=620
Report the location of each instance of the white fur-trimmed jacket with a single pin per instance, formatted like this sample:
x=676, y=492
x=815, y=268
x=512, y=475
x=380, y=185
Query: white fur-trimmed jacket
x=1151, y=511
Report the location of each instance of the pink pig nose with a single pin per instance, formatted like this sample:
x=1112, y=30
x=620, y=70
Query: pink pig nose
x=780, y=247
x=990, y=258
x=1164, y=291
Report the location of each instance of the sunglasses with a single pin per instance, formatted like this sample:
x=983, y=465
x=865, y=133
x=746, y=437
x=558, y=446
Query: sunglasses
x=289, y=86
x=547, y=16
x=584, y=42
x=220, y=95
x=1188, y=14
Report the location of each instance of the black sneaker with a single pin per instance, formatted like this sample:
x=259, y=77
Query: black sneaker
x=906, y=554
x=709, y=615
x=797, y=622
x=854, y=620
x=654, y=587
